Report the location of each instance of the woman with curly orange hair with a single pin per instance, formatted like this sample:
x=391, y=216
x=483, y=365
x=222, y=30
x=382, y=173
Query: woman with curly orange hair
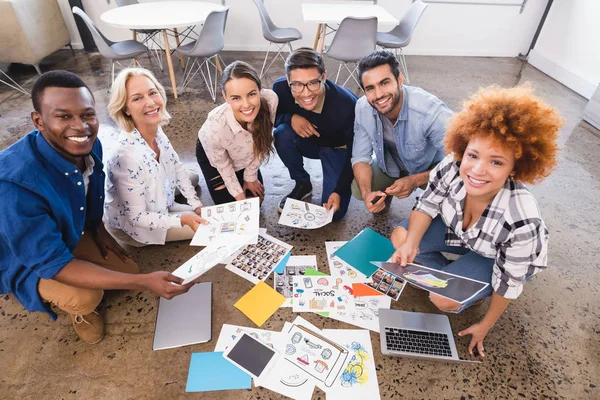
x=477, y=206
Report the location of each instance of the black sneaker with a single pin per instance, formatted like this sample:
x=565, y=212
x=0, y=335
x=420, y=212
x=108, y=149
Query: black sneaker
x=302, y=190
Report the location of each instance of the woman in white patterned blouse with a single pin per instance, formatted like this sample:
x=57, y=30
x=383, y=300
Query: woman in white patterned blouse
x=237, y=136
x=476, y=204
x=144, y=171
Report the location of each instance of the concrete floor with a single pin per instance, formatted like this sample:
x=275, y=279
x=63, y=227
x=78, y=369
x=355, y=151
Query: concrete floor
x=546, y=345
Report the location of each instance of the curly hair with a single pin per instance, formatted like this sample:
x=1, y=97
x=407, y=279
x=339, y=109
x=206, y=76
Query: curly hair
x=516, y=120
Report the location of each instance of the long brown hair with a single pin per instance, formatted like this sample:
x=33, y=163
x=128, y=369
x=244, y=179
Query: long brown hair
x=262, y=126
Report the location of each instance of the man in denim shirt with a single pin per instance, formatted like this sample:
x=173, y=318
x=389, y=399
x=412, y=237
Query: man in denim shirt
x=400, y=128
x=54, y=248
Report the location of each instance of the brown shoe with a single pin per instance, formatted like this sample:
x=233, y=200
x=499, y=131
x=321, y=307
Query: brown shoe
x=90, y=327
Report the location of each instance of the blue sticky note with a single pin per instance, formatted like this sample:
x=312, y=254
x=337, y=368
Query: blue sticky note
x=365, y=247
x=210, y=371
x=281, y=266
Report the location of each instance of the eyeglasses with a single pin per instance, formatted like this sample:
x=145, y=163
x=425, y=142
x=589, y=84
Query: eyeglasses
x=313, y=86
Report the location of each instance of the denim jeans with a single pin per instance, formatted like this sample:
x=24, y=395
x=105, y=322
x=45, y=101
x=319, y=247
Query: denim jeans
x=470, y=264
x=291, y=148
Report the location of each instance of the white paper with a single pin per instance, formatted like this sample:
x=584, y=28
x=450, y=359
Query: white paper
x=227, y=220
x=206, y=259
x=358, y=378
x=322, y=294
x=339, y=268
x=296, y=266
x=300, y=214
x=230, y=332
x=285, y=378
x=366, y=312
x=255, y=262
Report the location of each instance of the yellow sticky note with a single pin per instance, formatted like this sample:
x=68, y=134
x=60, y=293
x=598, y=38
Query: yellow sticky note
x=260, y=303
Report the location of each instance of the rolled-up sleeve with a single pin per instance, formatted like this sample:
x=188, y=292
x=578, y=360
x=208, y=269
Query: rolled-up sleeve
x=521, y=258
x=362, y=149
x=35, y=238
x=437, y=187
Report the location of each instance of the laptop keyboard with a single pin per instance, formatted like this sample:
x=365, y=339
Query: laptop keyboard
x=417, y=342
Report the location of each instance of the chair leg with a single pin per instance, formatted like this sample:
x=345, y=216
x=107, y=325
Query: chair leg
x=15, y=85
x=404, y=67
x=338, y=73
x=71, y=46
x=37, y=68
x=262, y=70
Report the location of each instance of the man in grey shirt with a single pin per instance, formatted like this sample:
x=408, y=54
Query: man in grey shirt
x=398, y=133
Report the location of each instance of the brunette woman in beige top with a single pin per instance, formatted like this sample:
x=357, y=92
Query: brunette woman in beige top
x=237, y=136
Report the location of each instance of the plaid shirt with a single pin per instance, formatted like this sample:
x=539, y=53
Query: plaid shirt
x=510, y=229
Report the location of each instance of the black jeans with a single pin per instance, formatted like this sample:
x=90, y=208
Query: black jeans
x=214, y=180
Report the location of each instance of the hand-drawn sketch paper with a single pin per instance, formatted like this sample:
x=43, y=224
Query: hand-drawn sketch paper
x=208, y=258
x=366, y=312
x=300, y=214
x=255, y=262
x=339, y=268
x=321, y=294
x=227, y=220
x=358, y=378
x=296, y=266
x=315, y=354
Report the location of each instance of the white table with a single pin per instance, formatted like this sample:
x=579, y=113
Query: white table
x=161, y=15
x=333, y=13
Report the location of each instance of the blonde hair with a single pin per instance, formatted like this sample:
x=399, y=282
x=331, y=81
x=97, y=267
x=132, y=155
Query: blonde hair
x=118, y=98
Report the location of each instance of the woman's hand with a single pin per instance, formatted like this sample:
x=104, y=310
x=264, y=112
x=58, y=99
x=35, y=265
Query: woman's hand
x=193, y=221
x=241, y=196
x=404, y=254
x=478, y=332
x=198, y=210
x=256, y=188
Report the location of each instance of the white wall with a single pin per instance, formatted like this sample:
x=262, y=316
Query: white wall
x=445, y=29
x=568, y=47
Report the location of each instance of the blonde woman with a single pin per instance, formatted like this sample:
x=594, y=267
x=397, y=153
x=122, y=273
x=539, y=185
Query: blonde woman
x=144, y=171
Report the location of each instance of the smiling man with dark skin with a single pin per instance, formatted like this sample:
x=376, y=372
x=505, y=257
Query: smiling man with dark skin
x=53, y=245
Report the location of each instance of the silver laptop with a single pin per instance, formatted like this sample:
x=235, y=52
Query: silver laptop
x=185, y=319
x=417, y=335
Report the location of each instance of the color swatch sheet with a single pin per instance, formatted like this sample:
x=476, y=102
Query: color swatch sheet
x=365, y=247
x=210, y=371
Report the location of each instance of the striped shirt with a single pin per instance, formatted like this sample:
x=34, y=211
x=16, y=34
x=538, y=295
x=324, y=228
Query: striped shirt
x=510, y=230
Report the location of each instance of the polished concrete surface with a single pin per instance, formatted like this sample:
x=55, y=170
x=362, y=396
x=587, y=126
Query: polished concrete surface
x=546, y=345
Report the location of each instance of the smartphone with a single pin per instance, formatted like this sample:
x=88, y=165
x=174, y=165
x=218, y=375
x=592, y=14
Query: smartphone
x=376, y=199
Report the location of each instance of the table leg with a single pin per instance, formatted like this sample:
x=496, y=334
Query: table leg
x=170, y=63
x=178, y=44
x=218, y=62
x=323, y=34
x=317, y=37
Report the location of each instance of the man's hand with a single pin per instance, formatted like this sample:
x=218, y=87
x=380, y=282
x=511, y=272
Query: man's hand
x=334, y=202
x=193, y=221
x=303, y=127
x=402, y=188
x=106, y=242
x=378, y=205
x=478, y=332
x=165, y=284
x=256, y=188
x=405, y=254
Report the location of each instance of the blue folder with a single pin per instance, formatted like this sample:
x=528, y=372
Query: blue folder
x=365, y=247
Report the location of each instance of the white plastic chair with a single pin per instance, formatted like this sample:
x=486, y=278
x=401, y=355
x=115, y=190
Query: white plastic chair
x=354, y=39
x=208, y=45
x=400, y=36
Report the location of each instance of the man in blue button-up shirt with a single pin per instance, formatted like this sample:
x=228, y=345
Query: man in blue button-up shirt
x=53, y=245
x=399, y=127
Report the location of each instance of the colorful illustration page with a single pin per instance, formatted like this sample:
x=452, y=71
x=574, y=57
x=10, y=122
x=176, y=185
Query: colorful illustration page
x=255, y=262
x=339, y=268
x=284, y=281
x=225, y=220
x=300, y=214
x=316, y=355
x=322, y=294
x=366, y=312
